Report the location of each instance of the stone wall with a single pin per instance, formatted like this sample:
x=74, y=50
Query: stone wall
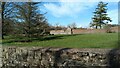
x=38, y=57
x=67, y=31
x=82, y=31
x=85, y=31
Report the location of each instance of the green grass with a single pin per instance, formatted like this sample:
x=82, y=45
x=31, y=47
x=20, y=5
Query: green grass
x=105, y=40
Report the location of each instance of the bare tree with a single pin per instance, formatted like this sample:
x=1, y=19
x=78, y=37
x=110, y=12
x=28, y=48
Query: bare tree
x=73, y=25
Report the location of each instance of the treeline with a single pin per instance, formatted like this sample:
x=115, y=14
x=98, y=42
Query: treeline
x=23, y=19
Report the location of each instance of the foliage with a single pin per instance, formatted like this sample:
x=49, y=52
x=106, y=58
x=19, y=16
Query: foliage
x=23, y=19
x=33, y=23
x=6, y=15
x=100, y=17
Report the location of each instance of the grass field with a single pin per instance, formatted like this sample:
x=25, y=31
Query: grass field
x=106, y=40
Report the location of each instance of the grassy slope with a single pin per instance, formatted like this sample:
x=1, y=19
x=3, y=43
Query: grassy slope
x=76, y=41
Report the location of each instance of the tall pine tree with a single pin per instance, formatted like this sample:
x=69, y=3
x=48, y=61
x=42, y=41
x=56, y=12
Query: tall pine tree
x=100, y=16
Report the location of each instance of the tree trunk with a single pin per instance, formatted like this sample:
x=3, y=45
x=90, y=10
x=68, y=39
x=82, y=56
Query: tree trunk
x=2, y=14
x=2, y=36
x=71, y=31
x=100, y=26
x=2, y=30
x=96, y=27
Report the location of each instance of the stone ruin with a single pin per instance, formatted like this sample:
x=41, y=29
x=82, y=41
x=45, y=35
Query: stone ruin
x=67, y=31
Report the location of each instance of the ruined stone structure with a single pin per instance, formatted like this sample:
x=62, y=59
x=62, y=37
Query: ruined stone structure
x=82, y=31
x=38, y=57
x=67, y=31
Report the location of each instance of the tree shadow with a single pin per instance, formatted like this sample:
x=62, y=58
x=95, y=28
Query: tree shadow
x=42, y=38
x=58, y=59
x=54, y=37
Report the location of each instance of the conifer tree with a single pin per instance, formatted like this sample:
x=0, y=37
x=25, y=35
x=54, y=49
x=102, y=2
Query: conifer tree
x=32, y=21
x=100, y=16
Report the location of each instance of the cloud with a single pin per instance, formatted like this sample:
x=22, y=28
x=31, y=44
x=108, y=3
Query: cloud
x=103, y=0
x=59, y=0
x=70, y=0
x=113, y=14
x=67, y=8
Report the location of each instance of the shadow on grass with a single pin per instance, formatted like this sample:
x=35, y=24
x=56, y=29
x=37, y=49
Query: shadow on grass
x=54, y=37
x=42, y=38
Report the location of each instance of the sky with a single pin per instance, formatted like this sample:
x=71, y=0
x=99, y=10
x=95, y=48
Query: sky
x=65, y=13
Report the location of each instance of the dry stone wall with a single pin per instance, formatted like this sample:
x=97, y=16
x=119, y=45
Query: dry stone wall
x=38, y=57
x=82, y=31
